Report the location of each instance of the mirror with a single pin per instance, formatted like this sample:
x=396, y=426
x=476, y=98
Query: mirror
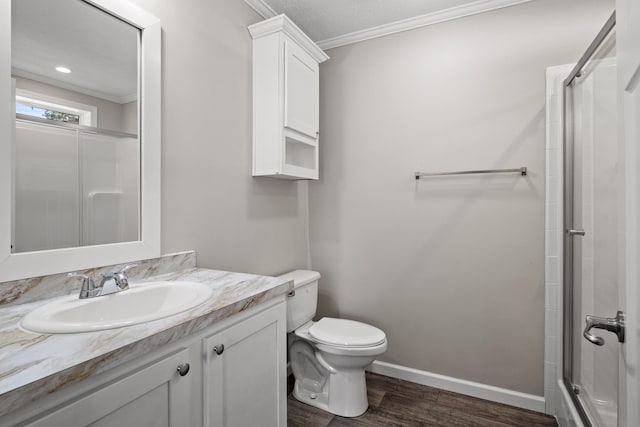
x=76, y=149
x=81, y=172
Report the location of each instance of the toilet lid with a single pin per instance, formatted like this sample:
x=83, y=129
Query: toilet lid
x=346, y=333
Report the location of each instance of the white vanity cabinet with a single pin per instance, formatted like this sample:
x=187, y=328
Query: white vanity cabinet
x=285, y=100
x=244, y=371
x=244, y=385
x=155, y=395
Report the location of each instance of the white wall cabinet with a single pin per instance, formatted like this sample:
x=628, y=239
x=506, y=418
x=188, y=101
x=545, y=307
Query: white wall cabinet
x=244, y=365
x=244, y=385
x=285, y=100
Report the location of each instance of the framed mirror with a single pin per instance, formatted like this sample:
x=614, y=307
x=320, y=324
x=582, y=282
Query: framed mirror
x=80, y=131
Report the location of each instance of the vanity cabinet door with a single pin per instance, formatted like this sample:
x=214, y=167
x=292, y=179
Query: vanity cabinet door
x=155, y=395
x=244, y=380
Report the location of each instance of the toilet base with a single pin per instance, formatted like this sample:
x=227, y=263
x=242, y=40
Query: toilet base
x=345, y=394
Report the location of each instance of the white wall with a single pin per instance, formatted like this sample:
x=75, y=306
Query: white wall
x=210, y=202
x=450, y=268
x=129, y=117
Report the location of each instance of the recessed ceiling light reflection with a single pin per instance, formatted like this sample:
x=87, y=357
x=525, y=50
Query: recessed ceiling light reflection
x=63, y=69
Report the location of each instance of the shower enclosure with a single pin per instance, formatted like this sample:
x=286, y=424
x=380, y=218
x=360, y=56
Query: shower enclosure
x=593, y=324
x=74, y=186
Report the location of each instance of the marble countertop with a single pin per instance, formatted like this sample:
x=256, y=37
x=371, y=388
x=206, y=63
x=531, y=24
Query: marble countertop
x=34, y=365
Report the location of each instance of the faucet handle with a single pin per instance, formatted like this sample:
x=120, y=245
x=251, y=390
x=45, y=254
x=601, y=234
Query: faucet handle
x=88, y=289
x=120, y=277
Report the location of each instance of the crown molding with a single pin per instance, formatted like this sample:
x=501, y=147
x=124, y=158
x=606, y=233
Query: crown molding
x=286, y=25
x=474, y=8
x=262, y=8
x=75, y=88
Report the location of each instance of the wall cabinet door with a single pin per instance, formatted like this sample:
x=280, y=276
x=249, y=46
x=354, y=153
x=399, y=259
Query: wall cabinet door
x=154, y=396
x=301, y=86
x=245, y=372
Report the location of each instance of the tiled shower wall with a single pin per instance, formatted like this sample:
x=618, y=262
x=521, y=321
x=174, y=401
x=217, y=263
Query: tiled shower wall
x=556, y=400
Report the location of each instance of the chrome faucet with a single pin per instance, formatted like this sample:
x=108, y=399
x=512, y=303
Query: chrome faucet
x=110, y=283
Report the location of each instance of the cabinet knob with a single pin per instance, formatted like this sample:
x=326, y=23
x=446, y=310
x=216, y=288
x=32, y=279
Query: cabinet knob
x=219, y=349
x=183, y=369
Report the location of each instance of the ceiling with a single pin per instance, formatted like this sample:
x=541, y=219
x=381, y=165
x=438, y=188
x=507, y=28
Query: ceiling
x=333, y=23
x=100, y=50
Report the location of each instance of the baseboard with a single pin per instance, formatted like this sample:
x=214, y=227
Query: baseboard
x=456, y=385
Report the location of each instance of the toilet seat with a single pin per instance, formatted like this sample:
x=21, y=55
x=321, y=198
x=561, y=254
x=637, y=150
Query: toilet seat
x=346, y=333
x=378, y=347
x=352, y=351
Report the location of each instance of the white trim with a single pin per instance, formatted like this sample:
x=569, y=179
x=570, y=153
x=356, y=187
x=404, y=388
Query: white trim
x=262, y=8
x=40, y=263
x=456, y=385
x=474, y=8
x=628, y=92
x=282, y=23
x=125, y=99
x=7, y=132
x=126, y=11
x=12, y=151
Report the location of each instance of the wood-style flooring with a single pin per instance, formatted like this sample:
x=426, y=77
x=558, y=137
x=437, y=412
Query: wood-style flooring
x=395, y=402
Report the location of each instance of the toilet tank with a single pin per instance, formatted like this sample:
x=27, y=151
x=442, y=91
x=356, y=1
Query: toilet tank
x=303, y=301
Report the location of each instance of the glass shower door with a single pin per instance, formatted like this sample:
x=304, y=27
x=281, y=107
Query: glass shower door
x=591, y=264
x=46, y=188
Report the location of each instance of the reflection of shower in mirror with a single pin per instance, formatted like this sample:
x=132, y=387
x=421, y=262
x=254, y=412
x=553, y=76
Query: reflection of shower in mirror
x=73, y=187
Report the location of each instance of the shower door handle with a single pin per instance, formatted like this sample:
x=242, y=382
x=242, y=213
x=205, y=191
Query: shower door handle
x=575, y=232
x=611, y=324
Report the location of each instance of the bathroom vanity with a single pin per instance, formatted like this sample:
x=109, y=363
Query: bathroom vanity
x=222, y=363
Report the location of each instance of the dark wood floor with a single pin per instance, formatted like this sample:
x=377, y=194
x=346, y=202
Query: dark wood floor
x=400, y=403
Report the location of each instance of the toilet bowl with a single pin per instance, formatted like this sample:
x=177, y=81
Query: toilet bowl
x=328, y=357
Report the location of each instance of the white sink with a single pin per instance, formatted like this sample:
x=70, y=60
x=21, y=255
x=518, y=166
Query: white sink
x=140, y=303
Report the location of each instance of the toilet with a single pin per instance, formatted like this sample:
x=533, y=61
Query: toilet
x=328, y=357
